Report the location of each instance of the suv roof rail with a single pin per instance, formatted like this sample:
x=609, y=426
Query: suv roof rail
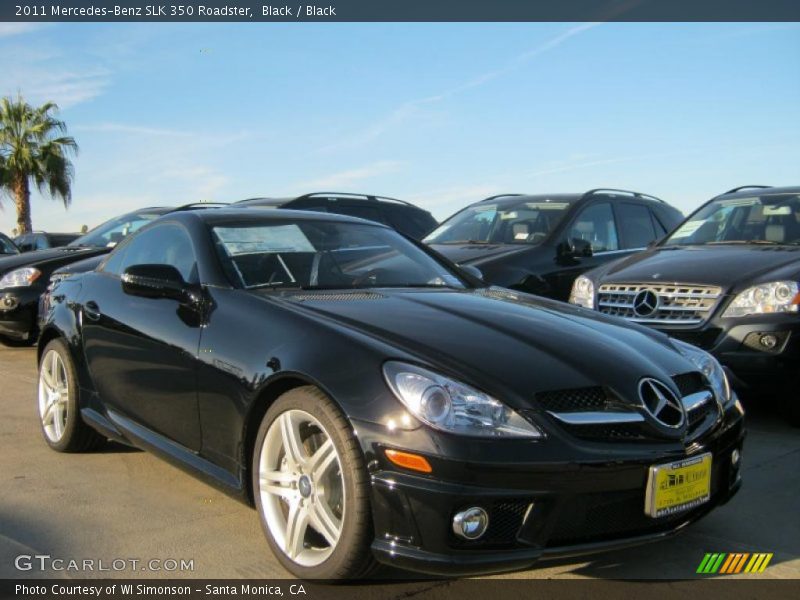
x=194, y=205
x=746, y=187
x=354, y=196
x=496, y=196
x=594, y=191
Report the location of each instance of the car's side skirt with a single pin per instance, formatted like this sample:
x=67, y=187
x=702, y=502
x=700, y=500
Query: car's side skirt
x=178, y=455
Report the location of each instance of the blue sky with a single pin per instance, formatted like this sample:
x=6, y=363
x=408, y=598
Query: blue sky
x=438, y=114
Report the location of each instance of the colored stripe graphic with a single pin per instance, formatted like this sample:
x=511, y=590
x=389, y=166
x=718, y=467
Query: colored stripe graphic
x=711, y=563
x=737, y=562
x=758, y=563
x=734, y=563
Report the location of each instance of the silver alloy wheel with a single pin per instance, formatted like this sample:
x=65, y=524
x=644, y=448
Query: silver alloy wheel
x=53, y=396
x=302, y=488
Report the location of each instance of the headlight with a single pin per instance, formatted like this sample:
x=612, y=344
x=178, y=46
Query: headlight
x=451, y=406
x=20, y=278
x=710, y=367
x=582, y=292
x=775, y=297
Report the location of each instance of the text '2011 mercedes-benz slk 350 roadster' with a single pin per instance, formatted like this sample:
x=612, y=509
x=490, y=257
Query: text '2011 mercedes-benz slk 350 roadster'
x=377, y=404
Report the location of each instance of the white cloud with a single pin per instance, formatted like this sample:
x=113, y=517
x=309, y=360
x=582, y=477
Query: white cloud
x=9, y=29
x=349, y=177
x=411, y=108
x=129, y=129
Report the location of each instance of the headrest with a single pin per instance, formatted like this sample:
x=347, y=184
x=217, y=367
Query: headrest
x=775, y=233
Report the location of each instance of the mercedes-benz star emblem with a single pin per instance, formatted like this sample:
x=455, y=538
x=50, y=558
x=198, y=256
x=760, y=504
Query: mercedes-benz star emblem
x=662, y=403
x=645, y=303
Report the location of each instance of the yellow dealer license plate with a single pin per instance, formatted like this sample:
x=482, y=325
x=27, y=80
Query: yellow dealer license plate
x=678, y=486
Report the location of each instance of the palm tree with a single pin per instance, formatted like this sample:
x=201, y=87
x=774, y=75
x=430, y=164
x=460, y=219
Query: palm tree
x=33, y=148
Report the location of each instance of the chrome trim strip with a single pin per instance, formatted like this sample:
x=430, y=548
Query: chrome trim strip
x=597, y=418
x=610, y=252
x=696, y=400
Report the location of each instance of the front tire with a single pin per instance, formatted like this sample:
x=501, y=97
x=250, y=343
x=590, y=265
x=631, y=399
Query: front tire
x=312, y=489
x=59, y=411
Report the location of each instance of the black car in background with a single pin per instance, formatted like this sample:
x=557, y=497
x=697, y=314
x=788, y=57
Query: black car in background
x=25, y=277
x=541, y=243
x=39, y=240
x=7, y=246
x=403, y=216
x=726, y=280
x=376, y=403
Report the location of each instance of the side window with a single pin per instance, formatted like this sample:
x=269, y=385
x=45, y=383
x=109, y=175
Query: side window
x=369, y=213
x=596, y=225
x=24, y=243
x=661, y=231
x=413, y=223
x=636, y=225
x=41, y=242
x=161, y=245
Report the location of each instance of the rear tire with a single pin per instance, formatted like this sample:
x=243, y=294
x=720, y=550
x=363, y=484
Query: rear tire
x=312, y=489
x=59, y=412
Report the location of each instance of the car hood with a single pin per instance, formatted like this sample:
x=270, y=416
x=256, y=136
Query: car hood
x=470, y=253
x=506, y=343
x=81, y=266
x=43, y=257
x=724, y=266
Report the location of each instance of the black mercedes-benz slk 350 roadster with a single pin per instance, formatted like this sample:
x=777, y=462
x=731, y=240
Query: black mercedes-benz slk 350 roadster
x=376, y=403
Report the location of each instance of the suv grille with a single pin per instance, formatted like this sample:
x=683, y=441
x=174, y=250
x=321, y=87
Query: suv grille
x=683, y=304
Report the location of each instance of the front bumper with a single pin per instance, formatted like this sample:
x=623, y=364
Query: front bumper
x=583, y=501
x=19, y=308
x=737, y=344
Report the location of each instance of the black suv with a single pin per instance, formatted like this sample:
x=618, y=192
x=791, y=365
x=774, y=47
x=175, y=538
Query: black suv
x=7, y=247
x=24, y=278
x=402, y=216
x=726, y=280
x=540, y=244
x=39, y=240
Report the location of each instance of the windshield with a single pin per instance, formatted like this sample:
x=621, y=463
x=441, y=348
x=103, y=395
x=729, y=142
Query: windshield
x=112, y=232
x=325, y=255
x=768, y=219
x=6, y=246
x=523, y=223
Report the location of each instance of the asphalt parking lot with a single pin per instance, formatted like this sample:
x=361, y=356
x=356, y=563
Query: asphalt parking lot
x=125, y=504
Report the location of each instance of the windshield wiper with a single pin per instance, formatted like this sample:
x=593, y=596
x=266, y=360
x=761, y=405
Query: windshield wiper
x=723, y=242
x=465, y=242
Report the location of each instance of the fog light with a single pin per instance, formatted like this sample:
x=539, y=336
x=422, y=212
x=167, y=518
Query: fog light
x=768, y=341
x=471, y=523
x=735, y=457
x=8, y=303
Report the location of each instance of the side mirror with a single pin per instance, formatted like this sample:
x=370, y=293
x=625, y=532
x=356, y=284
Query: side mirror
x=156, y=281
x=573, y=248
x=565, y=249
x=472, y=270
x=582, y=247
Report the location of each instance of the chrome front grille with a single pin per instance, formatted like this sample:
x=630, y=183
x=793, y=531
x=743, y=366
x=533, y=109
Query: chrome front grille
x=594, y=414
x=677, y=303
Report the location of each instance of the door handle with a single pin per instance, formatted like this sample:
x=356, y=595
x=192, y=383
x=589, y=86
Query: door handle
x=92, y=311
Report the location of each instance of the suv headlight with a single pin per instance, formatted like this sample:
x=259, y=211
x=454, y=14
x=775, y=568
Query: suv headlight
x=20, y=278
x=582, y=292
x=708, y=366
x=775, y=297
x=451, y=406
